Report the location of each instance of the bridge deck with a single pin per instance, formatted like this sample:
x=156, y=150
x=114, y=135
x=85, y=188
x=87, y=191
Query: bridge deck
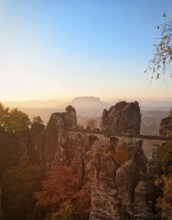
x=148, y=137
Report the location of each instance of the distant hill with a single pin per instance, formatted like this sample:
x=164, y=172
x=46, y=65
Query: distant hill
x=88, y=106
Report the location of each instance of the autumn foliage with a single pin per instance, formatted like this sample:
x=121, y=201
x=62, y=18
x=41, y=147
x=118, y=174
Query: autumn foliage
x=78, y=207
x=60, y=186
x=61, y=197
x=162, y=50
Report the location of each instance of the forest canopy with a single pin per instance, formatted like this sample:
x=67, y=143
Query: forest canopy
x=13, y=120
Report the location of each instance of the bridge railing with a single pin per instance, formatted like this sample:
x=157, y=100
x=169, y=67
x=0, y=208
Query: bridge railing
x=149, y=137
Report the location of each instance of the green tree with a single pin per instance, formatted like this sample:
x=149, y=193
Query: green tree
x=17, y=121
x=165, y=156
x=13, y=120
x=14, y=135
x=18, y=185
x=165, y=181
x=161, y=61
x=37, y=119
x=4, y=112
x=165, y=203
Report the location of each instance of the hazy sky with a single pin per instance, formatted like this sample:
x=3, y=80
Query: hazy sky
x=59, y=49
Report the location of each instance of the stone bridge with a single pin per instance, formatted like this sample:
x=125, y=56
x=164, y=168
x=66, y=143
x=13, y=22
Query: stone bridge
x=155, y=140
x=149, y=143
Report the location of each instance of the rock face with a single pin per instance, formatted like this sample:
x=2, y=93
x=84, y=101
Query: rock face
x=166, y=127
x=104, y=196
x=125, y=190
x=69, y=118
x=122, y=118
x=55, y=136
x=126, y=178
x=136, y=153
x=142, y=208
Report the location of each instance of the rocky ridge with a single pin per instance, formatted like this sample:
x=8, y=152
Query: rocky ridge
x=122, y=118
x=125, y=189
x=119, y=189
x=166, y=127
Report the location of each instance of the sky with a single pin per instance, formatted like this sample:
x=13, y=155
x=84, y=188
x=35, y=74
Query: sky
x=61, y=49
